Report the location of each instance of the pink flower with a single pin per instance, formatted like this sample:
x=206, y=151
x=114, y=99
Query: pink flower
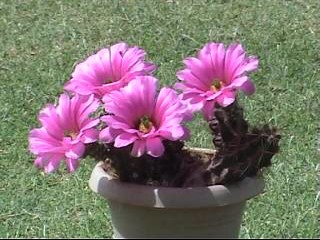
x=65, y=131
x=108, y=70
x=215, y=76
x=141, y=118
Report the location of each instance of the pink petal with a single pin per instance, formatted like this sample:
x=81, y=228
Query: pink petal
x=131, y=59
x=105, y=58
x=217, y=55
x=226, y=98
x=52, y=163
x=72, y=164
x=76, y=151
x=191, y=81
x=181, y=86
x=40, y=141
x=213, y=96
x=51, y=121
x=96, y=65
x=138, y=148
x=173, y=133
x=78, y=86
x=90, y=136
x=186, y=134
x=243, y=83
x=235, y=55
x=149, y=67
x=165, y=100
x=38, y=146
x=109, y=134
x=124, y=139
x=108, y=88
x=248, y=87
x=143, y=94
x=193, y=101
x=52, y=166
x=63, y=110
x=248, y=65
x=89, y=123
x=83, y=72
x=116, y=122
x=204, y=73
x=43, y=159
x=121, y=103
x=196, y=103
x=251, y=64
x=84, y=107
x=207, y=110
x=154, y=147
x=204, y=56
x=116, y=52
x=39, y=162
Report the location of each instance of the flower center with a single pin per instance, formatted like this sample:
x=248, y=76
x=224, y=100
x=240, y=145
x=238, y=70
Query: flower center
x=145, y=124
x=108, y=80
x=216, y=85
x=71, y=133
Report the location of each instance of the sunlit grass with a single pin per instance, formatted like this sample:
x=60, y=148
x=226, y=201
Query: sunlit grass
x=40, y=43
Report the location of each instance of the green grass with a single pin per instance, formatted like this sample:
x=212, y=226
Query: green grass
x=41, y=40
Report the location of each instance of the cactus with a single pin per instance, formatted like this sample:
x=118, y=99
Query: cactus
x=241, y=152
x=143, y=170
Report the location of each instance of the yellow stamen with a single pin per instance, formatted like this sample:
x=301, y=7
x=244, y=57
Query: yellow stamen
x=70, y=133
x=216, y=85
x=108, y=80
x=145, y=124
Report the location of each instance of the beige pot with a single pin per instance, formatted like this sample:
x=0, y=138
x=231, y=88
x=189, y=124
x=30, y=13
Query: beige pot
x=139, y=211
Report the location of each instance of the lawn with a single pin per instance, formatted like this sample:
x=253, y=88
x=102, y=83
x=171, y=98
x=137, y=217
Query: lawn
x=40, y=41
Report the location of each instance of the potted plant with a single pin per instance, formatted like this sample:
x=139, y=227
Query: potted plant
x=155, y=185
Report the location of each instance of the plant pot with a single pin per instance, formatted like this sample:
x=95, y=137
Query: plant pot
x=139, y=211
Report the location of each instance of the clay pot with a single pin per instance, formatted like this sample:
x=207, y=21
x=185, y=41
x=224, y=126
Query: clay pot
x=139, y=211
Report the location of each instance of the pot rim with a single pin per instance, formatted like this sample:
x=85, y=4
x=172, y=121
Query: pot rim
x=173, y=197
